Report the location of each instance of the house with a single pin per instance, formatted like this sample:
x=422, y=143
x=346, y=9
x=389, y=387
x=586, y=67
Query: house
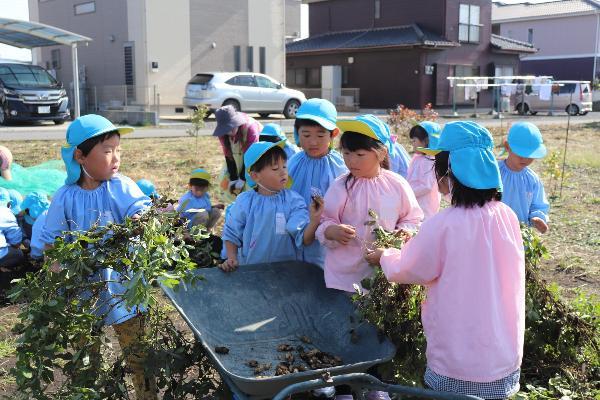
x=566, y=32
x=141, y=47
x=402, y=51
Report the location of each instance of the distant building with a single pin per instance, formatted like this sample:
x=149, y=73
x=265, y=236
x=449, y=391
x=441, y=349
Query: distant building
x=566, y=32
x=158, y=44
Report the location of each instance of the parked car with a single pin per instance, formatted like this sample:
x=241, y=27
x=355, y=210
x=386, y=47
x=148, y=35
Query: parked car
x=579, y=104
x=245, y=91
x=30, y=93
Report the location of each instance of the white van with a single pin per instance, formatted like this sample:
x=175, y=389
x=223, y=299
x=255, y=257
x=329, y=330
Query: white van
x=579, y=104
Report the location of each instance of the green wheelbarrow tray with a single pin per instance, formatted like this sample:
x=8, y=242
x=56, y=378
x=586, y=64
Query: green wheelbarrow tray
x=258, y=307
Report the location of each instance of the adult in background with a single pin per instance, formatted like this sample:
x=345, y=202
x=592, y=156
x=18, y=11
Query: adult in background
x=236, y=132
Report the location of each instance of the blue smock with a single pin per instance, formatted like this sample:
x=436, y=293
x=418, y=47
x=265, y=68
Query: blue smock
x=523, y=191
x=36, y=245
x=399, y=160
x=189, y=201
x=10, y=233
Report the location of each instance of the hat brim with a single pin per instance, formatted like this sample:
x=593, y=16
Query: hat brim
x=330, y=126
x=234, y=122
x=429, y=151
x=539, y=152
x=249, y=180
x=354, y=125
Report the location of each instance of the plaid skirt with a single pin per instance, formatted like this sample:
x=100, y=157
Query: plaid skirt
x=499, y=389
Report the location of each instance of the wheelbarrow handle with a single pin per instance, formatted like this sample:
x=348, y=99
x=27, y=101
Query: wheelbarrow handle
x=366, y=381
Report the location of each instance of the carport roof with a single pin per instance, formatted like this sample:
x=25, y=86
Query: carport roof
x=27, y=34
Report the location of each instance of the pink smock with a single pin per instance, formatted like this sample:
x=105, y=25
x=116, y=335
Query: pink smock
x=422, y=180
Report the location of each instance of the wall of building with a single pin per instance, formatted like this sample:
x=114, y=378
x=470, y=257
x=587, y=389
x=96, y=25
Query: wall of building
x=266, y=28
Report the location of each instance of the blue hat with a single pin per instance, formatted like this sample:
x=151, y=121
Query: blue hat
x=472, y=159
x=433, y=130
x=16, y=199
x=4, y=197
x=36, y=202
x=368, y=125
x=254, y=153
x=80, y=130
x=321, y=111
x=273, y=130
x=525, y=140
x=147, y=188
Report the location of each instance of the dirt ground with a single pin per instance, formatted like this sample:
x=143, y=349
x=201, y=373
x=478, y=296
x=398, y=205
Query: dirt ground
x=573, y=240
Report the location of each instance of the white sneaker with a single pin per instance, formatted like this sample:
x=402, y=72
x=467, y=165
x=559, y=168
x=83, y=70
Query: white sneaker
x=377, y=395
x=324, y=393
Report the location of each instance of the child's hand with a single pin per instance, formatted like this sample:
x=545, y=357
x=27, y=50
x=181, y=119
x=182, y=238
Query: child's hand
x=373, y=256
x=229, y=265
x=316, y=209
x=55, y=267
x=219, y=206
x=539, y=224
x=340, y=233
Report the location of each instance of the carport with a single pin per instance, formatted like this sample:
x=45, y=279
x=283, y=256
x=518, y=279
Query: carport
x=28, y=35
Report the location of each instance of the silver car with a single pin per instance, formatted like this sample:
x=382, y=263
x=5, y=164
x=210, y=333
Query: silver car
x=574, y=98
x=245, y=91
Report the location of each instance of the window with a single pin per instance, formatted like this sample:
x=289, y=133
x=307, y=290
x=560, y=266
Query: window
x=129, y=70
x=55, y=57
x=468, y=24
x=25, y=75
x=530, y=35
x=250, y=60
x=242, y=80
x=85, y=8
x=300, y=80
x=262, y=55
x=237, y=58
x=377, y=9
x=314, y=77
x=266, y=83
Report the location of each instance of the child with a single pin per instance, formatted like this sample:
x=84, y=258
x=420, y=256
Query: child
x=399, y=158
x=523, y=189
x=34, y=204
x=421, y=175
x=314, y=168
x=470, y=257
x=148, y=188
x=6, y=160
x=195, y=205
x=16, y=198
x=273, y=133
x=10, y=236
x=269, y=223
x=95, y=193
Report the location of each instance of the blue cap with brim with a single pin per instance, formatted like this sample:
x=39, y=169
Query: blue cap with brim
x=273, y=130
x=525, y=140
x=148, y=188
x=80, y=130
x=472, y=159
x=321, y=111
x=16, y=198
x=433, y=130
x=36, y=203
x=254, y=153
x=4, y=197
x=368, y=125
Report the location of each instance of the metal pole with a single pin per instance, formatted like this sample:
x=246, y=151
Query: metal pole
x=475, y=104
x=562, y=174
x=551, y=112
x=95, y=99
x=76, y=109
x=454, y=113
x=522, y=99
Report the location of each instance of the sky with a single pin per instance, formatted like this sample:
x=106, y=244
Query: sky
x=17, y=9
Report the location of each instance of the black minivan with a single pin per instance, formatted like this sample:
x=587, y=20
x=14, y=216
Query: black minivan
x=30, y=93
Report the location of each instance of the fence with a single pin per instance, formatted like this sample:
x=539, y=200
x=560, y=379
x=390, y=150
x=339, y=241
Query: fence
x=345, y=99
x=119, y=97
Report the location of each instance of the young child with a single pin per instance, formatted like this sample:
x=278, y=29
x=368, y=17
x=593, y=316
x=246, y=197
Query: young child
x=273, y=133
x=421, y=175
x=148, y=188
x=269, y=223
x=34, y=204
x=523, y=189
x=16, y=198
x=195, y=205
x=470, y=257
x=399, y=158
x=315, y=167
x=10, y=236
x=6, y=160
x=95, y=193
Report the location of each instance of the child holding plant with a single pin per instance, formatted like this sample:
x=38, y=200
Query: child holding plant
x=96, y=194
x=315, y=167
x=470, y=257
x=421, y=176
x=195, y=205
x=523, y=189
x=270, y=222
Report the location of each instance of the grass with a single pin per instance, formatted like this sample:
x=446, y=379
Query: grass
x=573, y=239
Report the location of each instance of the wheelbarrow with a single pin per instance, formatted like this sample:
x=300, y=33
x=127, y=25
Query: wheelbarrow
x=249, y=313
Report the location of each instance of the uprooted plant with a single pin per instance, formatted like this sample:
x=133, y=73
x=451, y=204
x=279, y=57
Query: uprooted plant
x=63, y=351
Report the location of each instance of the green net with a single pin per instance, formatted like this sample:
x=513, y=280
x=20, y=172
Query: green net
x=47, y=176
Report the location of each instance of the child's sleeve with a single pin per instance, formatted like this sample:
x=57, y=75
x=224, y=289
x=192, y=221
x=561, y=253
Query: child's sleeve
x=298, y=220
x=11, y=230
x=233, y=230
x=182, y=203
x=539, y=204
x=56, y=220
x=335, y=199
x=419, y=262
x=129, y=198
x=411, y=214
x=422, y=178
